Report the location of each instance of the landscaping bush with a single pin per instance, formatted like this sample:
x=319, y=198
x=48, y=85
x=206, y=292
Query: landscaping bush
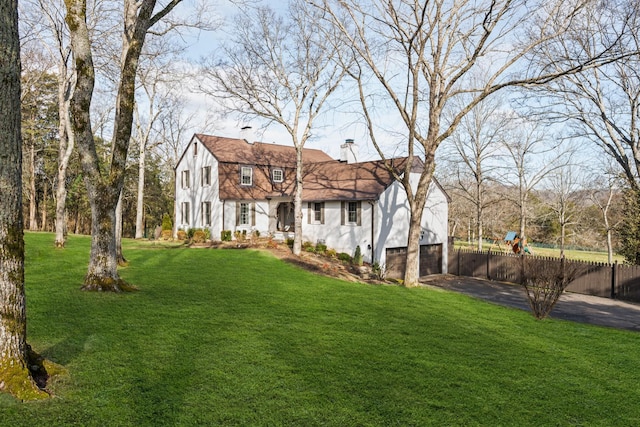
x=225, y=235
x=181, y=234
x=343, y=256
x=199, y=236
x=167, y=234
x=308, y=247
x=167, y=224
x=331, y=253
x=357, y=256
x=321, y=248
x=289, y=242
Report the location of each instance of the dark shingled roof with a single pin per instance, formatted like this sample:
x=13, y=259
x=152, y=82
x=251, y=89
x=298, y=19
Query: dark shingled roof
x=324, y=179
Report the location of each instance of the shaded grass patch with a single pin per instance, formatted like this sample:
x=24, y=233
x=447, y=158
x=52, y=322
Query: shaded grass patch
x=237, y=337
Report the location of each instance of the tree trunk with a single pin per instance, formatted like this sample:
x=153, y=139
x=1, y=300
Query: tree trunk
x=102, y=274
x=297, y=204
x=33, y=209
x=43, y=208
x=65, y=149
x=411, y=272
x=15, y=377
x=140, y=201
x=119, y=254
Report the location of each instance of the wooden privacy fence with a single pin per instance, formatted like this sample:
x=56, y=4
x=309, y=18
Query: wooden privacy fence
x=599, y=279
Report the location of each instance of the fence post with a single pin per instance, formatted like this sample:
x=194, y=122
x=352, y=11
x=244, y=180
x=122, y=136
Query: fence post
x=489, y=264
x=613, y=279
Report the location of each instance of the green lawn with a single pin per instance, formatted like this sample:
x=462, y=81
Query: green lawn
x=237, y=337
x=580, y=255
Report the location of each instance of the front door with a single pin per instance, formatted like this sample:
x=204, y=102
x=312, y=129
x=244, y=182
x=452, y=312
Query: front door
x=285, y=217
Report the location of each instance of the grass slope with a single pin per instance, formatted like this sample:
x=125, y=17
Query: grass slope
x=237, y=337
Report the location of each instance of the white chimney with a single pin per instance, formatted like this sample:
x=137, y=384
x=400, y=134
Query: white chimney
x=246, y=133
x=349, y=151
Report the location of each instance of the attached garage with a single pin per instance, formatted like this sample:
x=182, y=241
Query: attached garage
x=396, y=260
x=430, y=261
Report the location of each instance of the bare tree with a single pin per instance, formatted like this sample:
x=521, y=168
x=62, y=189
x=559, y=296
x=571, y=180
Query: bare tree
x=603, y=104
x=156, y=76
x=421, y=55
x=280, y=70
x=104, y=186
x=531, y=157
x=565, y=185
x=15, y=377
x=473, y=157
x=604, y=188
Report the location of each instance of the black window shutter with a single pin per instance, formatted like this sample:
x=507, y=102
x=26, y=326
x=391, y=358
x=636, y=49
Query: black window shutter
x=359, y=218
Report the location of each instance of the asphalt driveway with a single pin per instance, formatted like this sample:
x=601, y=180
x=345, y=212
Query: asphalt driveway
x=572, y=306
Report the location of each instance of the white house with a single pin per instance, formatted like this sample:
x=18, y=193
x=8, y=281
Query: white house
x=236, y=184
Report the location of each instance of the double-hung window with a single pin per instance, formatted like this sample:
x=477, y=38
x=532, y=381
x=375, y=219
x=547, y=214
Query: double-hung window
x=315, y=213
x=206, y=176
x=185, y=213
x=351, y=213
x=246, y=175
x=277, y=175
x=185, y=179
x=206, y=213
x=245, y=214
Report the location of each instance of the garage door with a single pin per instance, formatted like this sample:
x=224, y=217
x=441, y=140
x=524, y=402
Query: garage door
x=430, y=259
x=396, y=259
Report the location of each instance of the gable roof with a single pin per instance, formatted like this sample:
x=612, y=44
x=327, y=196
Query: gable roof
x=324, y=179
x=235, y=150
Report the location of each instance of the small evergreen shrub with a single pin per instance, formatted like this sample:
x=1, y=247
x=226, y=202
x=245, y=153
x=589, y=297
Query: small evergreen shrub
x=331, y=253
x=167, y=224
x=190, y=233
x=321, y=248
x=289, y=242
x=225, y=235
x=343, y=256
x=357, y=256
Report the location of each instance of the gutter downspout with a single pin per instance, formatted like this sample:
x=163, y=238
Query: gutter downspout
x=373, y=249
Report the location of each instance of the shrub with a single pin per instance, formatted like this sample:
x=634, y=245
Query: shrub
x=308, y=247
x=167, y=224
x=225, y=235
x=321, y=248
x=199, y=236
x=331, y=253
x=182, y=235
x=190, y=233
x=289, y=242
x=167, y=234
x=343, y=256
x=357, y=256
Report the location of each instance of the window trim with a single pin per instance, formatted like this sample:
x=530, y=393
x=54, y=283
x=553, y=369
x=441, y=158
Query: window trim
x=345, y=212
x=205, y=179
x=185, y=179
x=273, y=175
x=185, y=212
x=206, y=213
x=243, y=169
x=312, y=212
x=251, y=214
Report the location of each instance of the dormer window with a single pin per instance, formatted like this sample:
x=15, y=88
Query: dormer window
x=246, y=175
x=277, y=175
